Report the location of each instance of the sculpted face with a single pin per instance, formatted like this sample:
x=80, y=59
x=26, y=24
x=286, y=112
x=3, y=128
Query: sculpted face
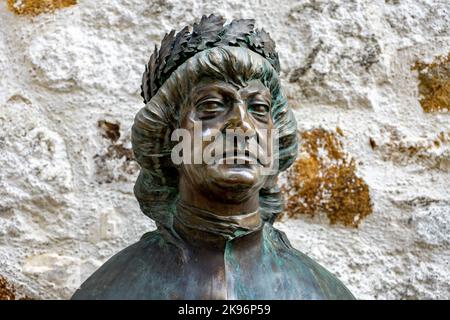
x=235, y=170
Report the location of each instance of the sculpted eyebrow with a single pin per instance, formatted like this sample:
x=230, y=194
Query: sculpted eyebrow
x=211, y=92
x=226, y=92
x=258, y=96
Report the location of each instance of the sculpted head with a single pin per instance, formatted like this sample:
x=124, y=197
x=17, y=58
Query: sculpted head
x=223, y=117
x=220, y=90
x=209, y=167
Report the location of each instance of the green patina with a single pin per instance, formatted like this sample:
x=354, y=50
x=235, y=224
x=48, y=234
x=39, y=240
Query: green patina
x=202, y=251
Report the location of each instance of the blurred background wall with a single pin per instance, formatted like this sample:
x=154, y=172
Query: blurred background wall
x=370, y=85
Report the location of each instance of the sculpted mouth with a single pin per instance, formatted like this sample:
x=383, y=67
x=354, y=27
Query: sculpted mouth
x=237, y=158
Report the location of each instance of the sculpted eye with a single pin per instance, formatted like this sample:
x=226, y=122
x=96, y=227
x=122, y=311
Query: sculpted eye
x=210, y=108
x=259, y=109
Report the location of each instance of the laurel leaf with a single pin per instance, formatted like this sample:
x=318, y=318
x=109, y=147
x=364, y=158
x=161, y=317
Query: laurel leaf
x=237, y=30
x=275, y=61
x=209, y=32
x=148, y=86
x=267, y=43
x=205, y=32
x=261, y=42
x=256, y=42
x=179, y=45
x=164, y=53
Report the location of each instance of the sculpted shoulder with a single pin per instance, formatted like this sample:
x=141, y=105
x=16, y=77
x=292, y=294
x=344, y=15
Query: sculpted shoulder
x=315, y=281
x=134, y=272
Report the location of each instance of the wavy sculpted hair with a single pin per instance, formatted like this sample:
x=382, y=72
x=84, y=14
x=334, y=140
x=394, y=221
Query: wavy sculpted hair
x=156, y=188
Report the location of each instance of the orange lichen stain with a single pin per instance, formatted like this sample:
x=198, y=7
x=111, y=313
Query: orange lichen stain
x=8, y=291
x=323, y=179
x=434, y=84
x=35, y=7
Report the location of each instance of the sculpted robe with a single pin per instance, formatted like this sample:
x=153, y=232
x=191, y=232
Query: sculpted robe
x=257, y=265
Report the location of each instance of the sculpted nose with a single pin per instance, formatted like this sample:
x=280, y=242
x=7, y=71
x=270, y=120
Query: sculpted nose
x=239, y=119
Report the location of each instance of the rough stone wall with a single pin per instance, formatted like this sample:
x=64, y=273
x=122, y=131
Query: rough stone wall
x=370, y=76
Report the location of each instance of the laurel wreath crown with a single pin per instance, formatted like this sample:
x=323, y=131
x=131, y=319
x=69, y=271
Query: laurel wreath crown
x=208, y=33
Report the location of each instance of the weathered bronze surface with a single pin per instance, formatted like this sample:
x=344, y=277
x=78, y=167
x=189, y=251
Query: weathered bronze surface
x=215, y=237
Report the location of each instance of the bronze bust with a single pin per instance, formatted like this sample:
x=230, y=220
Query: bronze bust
x=215, y=237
